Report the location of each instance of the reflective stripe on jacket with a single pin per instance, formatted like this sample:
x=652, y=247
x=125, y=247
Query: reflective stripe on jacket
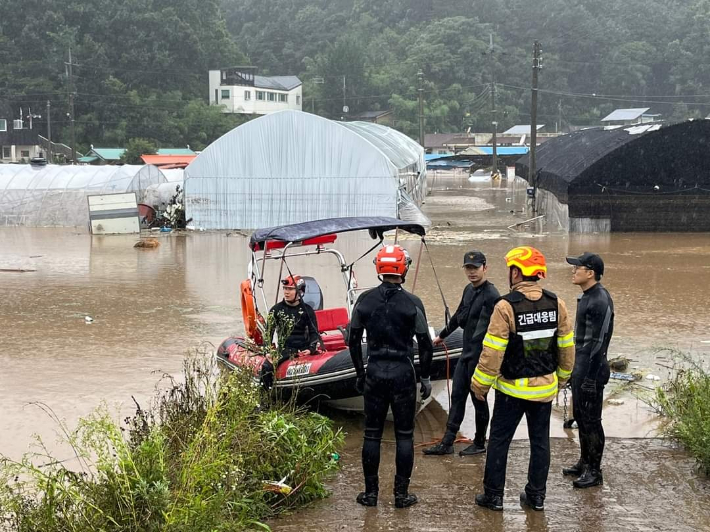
x=542, y=388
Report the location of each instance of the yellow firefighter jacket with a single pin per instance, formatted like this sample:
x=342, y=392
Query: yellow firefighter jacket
x=487, y=373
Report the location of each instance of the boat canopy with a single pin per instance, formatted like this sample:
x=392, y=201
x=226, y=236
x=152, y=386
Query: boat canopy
x=376, y=225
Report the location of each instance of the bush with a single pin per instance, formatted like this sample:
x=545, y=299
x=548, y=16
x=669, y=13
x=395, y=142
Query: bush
x=685, y=401
x=209, y=454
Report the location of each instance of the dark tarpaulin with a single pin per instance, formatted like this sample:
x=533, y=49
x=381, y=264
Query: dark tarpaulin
x=631, y=159
x=299, y=232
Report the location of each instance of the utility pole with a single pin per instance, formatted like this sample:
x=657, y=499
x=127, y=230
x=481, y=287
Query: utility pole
x=420, y=75
x=532, y=176
x=49, y=133
x=71, y=110
x=345, y=107
x=494, y=122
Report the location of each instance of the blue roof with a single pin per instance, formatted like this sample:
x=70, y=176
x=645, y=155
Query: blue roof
x=504, y=150
x=434, y=156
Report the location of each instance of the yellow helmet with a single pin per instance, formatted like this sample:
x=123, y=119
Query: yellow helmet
x=530, y=261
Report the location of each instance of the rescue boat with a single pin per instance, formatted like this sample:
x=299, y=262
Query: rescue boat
x=327, y=376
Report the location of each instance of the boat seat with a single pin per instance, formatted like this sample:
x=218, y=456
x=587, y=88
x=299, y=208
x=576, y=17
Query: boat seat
x=328, y=322
x=332, y=318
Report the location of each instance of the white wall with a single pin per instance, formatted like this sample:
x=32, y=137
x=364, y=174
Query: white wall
x=237, y=101
x=16, y=153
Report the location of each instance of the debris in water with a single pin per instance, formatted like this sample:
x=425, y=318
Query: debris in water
x=615, y=402
x=88, y=319
x=650, y=377
x=17, y=270
x=278, y=487
x=619, y=364
x=147, y=243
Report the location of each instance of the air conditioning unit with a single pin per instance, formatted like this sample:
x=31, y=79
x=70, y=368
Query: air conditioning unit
x=17, y=124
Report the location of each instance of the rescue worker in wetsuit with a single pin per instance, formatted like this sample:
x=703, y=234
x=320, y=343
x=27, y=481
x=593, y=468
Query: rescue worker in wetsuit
x=294, y=314
x=593, y=330
x=473, y=314
x=392, y=317
x=528, y=353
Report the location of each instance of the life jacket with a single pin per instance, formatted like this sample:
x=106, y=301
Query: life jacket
x=532, y=349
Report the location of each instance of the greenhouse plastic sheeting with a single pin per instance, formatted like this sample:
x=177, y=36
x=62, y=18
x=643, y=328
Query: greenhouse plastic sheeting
x=290, y=167
x=54, y=195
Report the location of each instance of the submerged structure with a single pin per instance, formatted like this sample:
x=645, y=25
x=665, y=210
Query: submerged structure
x=55, y=195
x=290, y=167
x=646, y=177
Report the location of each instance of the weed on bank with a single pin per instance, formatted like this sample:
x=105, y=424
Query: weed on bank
x=211, y=453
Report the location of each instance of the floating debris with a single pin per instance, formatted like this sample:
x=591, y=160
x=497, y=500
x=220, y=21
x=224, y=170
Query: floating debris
x=619, y=364
x=147, y=243
x=651, y=377
x=88, y=319
x=616, y=402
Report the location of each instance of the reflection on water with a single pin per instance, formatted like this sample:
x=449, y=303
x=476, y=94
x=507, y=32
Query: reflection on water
x=150, y=305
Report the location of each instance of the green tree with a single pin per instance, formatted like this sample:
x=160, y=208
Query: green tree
x=137, y=147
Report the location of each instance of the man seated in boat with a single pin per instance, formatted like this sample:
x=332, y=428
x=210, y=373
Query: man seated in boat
x=295, y=324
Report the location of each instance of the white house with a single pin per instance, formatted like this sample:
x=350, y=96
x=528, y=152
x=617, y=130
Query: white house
x=241, y=90
x=629, y=117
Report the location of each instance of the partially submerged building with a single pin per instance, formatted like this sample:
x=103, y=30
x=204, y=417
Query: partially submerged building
x=291, y=166
x=55, y=195
x=646, y=177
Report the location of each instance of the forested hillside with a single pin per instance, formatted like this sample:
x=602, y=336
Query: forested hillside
x=142, y=65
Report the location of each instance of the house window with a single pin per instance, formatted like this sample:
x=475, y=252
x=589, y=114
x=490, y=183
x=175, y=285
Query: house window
x=6, y=152
x=3, y=124
x=224, y=75
x=247, y=95
x=272, y=96
x=260, y=95
x=24, y=153
x=225, y=94
x=298, y=100
x=283, y=98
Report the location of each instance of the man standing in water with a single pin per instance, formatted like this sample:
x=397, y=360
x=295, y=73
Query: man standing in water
x=528, y=351
x=473, y=314
x=593, y=330
x=392, y=317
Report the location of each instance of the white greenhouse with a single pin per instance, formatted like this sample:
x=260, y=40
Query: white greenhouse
x=55, y=196
x=290, y=166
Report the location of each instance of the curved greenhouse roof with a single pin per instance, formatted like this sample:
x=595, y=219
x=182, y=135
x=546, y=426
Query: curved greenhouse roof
x=290, y=167
x=55, y=195
x=627, y=158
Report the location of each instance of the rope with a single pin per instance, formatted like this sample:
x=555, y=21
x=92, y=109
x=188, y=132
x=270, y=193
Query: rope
x=447, y=312
x=416, y=270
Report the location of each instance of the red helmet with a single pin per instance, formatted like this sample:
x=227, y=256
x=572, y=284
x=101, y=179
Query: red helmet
x=392, y=260
x=294, y=281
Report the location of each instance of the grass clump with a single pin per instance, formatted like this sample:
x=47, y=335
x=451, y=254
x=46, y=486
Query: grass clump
x=685, y=401
x=210, y=454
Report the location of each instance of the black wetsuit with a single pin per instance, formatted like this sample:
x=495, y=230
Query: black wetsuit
x=392, y=317
x=473, y=315
x=593, y=330
x=304, y=334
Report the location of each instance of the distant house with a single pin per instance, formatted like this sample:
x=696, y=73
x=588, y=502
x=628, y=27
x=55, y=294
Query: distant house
x=240, y=90
x=18, y=141
x=169, y=161
x=522, y=129
x=100, y=156
x=629, y=117
x=385, y=118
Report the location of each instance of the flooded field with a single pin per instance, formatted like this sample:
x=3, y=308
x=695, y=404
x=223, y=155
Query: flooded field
x=149, y=306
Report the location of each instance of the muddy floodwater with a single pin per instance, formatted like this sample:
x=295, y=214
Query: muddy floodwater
x=88, y=319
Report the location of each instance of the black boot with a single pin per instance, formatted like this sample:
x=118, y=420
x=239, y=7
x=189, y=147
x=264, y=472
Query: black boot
x=402, y=497
x=575, y=470
x=590, y=478
x=474, y=448
x=535, y=502
x=369, y=496
x=492, y=502
x=440, y=448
